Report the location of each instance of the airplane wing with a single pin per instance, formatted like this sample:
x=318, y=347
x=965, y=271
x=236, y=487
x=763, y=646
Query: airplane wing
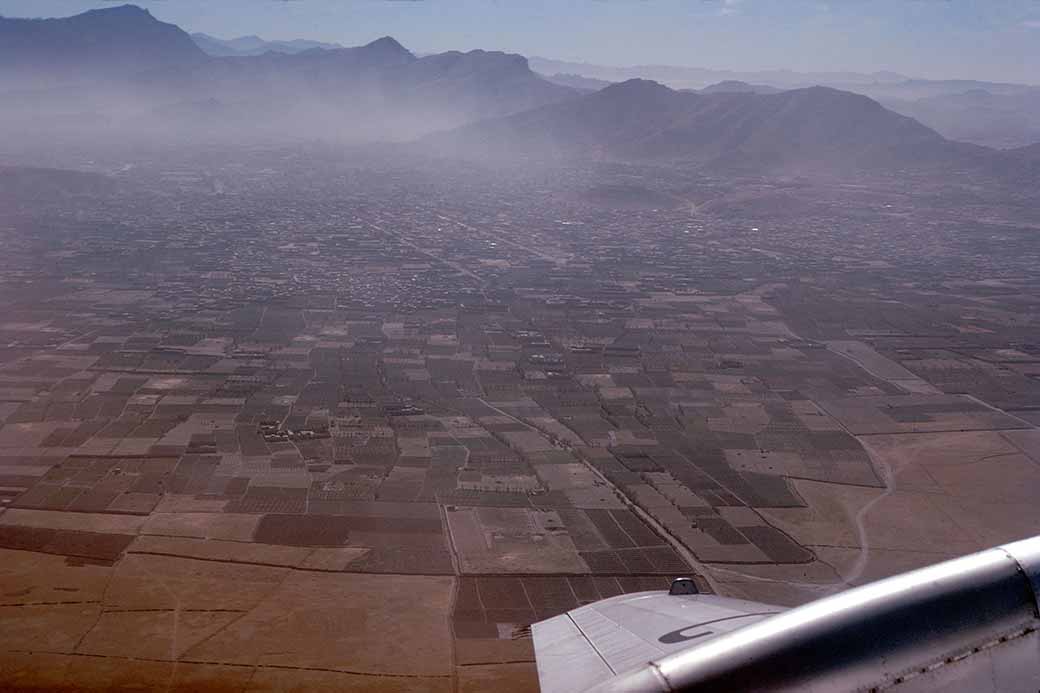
x=970, y=624
x=596, y=642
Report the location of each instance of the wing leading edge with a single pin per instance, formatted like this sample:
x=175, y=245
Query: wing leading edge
x=972, y=623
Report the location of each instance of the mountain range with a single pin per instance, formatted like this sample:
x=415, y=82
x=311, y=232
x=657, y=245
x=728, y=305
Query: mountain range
x=733, y=85
x=153, y=77
x=643, y=120
x=106, y=43
x=679, y=77
x=997, y=114
x=122, y=73
x=995, y=118
x=991, y=113
x=254, y=45
x=376, y=91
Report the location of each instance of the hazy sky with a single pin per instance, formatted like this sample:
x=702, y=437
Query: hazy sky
x=978, y=39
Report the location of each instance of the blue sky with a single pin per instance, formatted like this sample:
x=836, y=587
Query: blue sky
x=974, y=39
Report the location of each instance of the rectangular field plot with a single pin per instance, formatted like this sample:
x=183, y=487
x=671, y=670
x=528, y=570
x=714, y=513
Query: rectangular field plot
x=97, y=484
x=94, y=546
x=492, y=607
x=512, y=540
x=411, y=541
x=916, y=414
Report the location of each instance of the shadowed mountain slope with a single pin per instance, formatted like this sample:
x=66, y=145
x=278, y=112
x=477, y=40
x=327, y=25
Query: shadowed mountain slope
x=640, y=119
x=121, y=73
x=97, y=44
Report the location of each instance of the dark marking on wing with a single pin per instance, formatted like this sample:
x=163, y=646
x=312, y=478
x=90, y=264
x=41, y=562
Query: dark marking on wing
x=680, y=635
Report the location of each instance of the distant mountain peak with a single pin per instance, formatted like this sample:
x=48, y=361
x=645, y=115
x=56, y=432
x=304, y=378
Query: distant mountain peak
x=730, y=86
x=481, y=54
x=637, y=90
x=634, y=90
x=106, y=43
x=639, y=84
x=493, y=65
x=121, y=17
x=124, y=10
x=387, y=41
x=388, y=45
x=576, y=81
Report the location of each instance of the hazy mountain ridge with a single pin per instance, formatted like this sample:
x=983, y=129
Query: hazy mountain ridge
x=577, y=81
x=640, y=119
x=98, y=44
x=485, y=102
x=978, y=115
x=1029, y=153
x=1008, y=117
x=242, y=75
x=878, y=85
x=254, y=45
x=378, y=91
x=736, y=86
x=679, y=77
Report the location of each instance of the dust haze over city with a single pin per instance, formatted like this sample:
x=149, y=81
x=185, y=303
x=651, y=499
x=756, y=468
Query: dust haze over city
x=343, y=343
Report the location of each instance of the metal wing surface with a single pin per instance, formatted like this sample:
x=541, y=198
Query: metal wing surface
x=594, y=643
x=968, y=624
